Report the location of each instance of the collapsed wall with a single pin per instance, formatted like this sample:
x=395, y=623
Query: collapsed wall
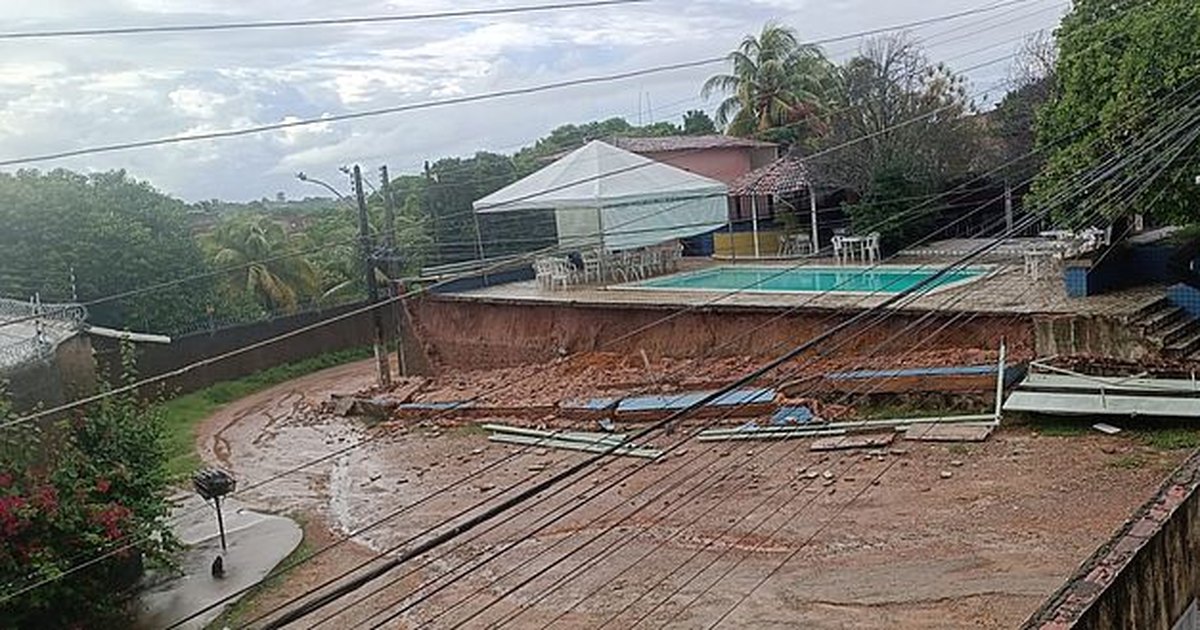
x=476, y=334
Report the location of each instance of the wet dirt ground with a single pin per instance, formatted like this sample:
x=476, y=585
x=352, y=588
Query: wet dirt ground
x=758, y=535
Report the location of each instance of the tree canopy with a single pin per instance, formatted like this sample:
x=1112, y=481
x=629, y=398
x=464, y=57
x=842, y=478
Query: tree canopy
x=776, y=88
x=113, y=233
x=1123, y=67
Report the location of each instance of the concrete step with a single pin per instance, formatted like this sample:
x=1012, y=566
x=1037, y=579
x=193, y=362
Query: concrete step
x=1182, y=329
x=1186, y=346
x=1164, y=319
x=1149, y=308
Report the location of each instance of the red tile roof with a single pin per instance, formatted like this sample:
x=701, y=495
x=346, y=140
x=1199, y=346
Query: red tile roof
x=788, y=174
x=663, y=144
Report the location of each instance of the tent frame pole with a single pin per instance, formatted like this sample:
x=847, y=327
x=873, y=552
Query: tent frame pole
x=812, y=211
x=603, y=251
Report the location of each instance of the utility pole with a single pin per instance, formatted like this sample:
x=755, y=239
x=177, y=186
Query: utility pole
x=1008, y=208
x=389, y=242
x=364, y=234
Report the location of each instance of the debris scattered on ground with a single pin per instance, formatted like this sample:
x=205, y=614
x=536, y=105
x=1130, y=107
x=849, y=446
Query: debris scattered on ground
x=1105, y=428
x=852, y=441
x=949, y=432
x=610, y=443
x=946, y=474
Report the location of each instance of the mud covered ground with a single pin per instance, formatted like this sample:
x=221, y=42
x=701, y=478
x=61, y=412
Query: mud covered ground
x=767, y=535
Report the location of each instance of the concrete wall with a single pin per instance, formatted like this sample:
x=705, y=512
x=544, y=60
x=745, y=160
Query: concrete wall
x=460, y=333
x=68, y=374
x=1096, y=335
x=1185, y=297
x=354, y=331
x=1147, y=576
x=1118, y=268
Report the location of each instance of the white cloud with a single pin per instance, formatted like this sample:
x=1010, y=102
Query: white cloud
x=69, y=93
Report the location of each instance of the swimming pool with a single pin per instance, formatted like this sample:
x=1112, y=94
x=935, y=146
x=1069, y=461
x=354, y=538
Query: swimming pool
x=809, y=279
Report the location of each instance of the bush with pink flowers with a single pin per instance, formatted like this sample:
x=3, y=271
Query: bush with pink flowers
x=81, y=508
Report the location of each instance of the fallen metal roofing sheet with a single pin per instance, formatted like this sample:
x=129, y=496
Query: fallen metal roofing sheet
x=962, y=370
x=1108, y=383
x=687, y=399
x=1095, y=403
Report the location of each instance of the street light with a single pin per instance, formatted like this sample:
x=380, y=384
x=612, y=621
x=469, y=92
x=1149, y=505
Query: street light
x=302, y=176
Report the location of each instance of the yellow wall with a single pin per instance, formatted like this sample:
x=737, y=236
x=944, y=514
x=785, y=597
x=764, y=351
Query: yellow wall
x=743, y=244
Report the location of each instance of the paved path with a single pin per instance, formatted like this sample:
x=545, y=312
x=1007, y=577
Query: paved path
x=257, y=543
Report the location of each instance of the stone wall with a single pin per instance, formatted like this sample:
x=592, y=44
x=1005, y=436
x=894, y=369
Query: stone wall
x=1095, y=335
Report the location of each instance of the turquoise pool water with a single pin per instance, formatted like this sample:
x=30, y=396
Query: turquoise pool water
x=807, y=279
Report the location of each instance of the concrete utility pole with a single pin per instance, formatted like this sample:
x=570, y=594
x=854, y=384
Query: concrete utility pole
x=364, y=234
x=389, y=241
x=1008, y=208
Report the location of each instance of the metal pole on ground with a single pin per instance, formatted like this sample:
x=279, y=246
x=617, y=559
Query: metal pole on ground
x=364, y=234
x=389, y=236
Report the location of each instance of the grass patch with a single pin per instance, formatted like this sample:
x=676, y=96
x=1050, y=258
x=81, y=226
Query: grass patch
x=1060, y=427
x=1169, y=439
x=916, y=409
x=185, y=412
x=1128, y=462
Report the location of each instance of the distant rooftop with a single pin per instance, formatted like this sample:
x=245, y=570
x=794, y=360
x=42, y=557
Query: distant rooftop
x=683, y=143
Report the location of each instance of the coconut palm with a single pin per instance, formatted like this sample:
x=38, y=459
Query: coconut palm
x=263, y=261
x=775, y=83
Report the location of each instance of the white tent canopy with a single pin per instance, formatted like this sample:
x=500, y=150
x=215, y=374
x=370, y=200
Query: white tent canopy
x=608, y=197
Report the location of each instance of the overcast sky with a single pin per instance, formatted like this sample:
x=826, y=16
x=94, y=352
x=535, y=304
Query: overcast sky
x=69, y=93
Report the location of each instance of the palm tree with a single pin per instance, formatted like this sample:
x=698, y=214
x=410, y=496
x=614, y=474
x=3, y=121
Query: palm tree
x=775, y=83
x=263, y=261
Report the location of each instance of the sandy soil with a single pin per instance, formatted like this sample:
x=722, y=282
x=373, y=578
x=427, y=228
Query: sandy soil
x=916, y=536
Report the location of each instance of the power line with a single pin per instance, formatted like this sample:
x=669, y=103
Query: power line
x=257, y=129
x=313, y=462
x=167, y=284
x=304, y=23
x=837, y=512
x=730, y=342
x=381, y=574
x=1029, y=219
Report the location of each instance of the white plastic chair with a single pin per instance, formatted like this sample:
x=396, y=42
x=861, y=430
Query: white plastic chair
x=551, y=272
x=872, y=247
x=839, y=250
x=591, y=265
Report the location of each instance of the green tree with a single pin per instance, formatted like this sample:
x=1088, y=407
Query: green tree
x=116, y=233
x=887, y=208
x=1116, y=61
x=696, y=122
x=266, y=261
x=898, y=114
x=903, y=128
x=776, y=88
